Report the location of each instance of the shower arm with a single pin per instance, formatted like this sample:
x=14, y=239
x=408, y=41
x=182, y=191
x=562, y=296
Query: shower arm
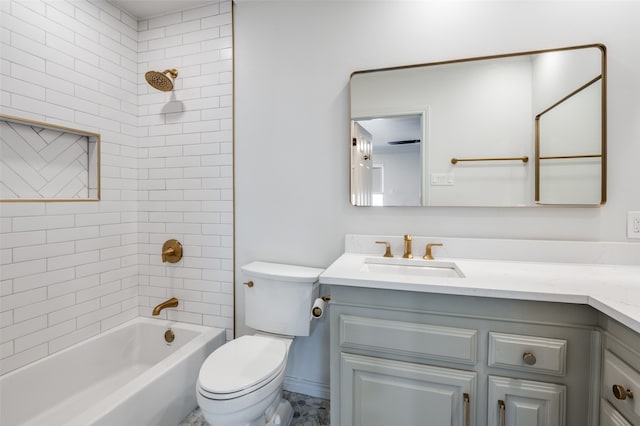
x=172, y=71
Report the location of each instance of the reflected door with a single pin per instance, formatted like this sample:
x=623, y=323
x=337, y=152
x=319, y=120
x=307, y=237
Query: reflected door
x=361, y=165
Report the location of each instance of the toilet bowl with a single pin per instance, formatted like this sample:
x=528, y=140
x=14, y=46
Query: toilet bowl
x=240, y=383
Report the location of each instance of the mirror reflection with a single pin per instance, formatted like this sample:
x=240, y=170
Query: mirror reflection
x=508, y=130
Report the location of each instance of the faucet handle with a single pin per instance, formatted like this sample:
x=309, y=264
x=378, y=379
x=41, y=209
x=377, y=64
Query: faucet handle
x=171, y=251
x=428, y=255
x=387, y=252
x=408, y=247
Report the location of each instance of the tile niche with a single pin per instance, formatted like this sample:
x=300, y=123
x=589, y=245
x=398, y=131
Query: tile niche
x=46, y=162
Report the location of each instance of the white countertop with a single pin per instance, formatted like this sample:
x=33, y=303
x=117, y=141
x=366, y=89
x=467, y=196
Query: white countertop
x=612, y=289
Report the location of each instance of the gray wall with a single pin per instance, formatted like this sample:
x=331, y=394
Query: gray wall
x=292, y=66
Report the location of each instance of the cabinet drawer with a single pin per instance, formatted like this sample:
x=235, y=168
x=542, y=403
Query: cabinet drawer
x=528, y=353
x=408, y=338
x=619, y=374
x=609, y=416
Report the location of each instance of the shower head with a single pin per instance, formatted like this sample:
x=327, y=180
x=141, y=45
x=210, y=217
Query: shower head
x=160, y=80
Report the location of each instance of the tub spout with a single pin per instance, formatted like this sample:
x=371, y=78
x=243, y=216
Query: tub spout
x=171, y=303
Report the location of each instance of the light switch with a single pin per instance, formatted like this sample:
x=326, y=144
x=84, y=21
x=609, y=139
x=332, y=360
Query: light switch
x=442, y=179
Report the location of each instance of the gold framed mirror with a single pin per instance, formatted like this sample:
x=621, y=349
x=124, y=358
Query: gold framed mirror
x=511, y=130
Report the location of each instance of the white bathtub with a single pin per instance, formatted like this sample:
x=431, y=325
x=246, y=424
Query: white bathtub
x=126, y=376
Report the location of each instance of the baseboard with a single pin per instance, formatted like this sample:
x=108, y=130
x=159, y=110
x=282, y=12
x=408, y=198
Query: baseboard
x=306, y=387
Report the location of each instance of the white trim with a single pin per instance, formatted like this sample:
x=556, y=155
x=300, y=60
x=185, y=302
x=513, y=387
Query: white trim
x=307, y=387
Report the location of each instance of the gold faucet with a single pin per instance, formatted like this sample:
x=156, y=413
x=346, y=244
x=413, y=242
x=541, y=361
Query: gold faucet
x=171, y=303
x=428, y=255
x=387, y=251
x=407, y=247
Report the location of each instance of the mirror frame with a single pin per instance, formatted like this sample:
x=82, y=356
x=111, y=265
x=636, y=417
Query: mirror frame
x=535, y=202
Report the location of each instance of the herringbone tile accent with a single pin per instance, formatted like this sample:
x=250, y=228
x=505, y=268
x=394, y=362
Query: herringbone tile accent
x=37, y=162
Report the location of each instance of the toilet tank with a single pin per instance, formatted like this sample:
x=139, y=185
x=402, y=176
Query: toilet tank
x=281, y=297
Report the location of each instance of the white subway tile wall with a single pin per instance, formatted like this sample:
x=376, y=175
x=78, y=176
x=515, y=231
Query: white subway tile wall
x=182, y=133
x=69, y=271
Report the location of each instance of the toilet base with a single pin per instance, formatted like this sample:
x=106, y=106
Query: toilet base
x=282, y=415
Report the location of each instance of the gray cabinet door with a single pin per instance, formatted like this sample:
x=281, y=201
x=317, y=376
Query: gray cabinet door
x=383, y=392
x=516, y=402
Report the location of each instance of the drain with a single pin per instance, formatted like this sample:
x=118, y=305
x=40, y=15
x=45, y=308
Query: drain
x=169, y=336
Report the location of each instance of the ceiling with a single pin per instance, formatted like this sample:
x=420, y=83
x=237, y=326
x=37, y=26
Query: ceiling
x=142, y=9
x=393, y=129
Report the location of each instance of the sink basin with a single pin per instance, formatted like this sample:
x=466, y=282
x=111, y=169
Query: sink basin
x=413, y=267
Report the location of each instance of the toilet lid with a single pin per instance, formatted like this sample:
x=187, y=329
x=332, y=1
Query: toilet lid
x=242, y=363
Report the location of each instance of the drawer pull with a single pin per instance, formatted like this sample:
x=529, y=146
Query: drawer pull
x=466, y=408
x=529, y=358
x=621, y=393
x=249, y=284
x=501, y=408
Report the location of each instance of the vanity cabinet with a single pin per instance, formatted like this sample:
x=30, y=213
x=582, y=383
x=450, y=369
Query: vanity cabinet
x=620, y=391
x=410, y=358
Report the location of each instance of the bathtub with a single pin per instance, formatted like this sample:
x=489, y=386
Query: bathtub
x=128, y=375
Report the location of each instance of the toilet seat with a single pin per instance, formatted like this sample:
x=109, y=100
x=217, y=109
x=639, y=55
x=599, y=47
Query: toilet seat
x=241, y=366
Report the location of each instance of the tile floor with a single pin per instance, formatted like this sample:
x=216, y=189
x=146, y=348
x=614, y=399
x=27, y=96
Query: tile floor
x=307, y=411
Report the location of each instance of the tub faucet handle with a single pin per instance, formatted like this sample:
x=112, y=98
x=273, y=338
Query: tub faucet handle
x=428, y=255
x=171, y=251
x=387, y=252
x=166, y=253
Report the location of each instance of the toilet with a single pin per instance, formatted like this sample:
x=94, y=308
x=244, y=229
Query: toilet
x=240, y=383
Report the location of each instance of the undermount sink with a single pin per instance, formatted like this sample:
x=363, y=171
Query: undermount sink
x=413, y=267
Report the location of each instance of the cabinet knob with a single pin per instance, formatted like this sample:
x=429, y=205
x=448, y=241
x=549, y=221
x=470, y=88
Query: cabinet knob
x=529, y=358
x=621, y=393
x=249, y=284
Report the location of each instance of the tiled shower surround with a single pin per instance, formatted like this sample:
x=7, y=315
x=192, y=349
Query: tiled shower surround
x=70, y=270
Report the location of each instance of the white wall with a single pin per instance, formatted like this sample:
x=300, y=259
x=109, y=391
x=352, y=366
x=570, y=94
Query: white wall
x=292, y=68
x=556, y=74
x=72, y=270
x=401, y=174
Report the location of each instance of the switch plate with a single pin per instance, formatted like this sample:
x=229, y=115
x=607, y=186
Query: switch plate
x=440, y=179
x=633, y=225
